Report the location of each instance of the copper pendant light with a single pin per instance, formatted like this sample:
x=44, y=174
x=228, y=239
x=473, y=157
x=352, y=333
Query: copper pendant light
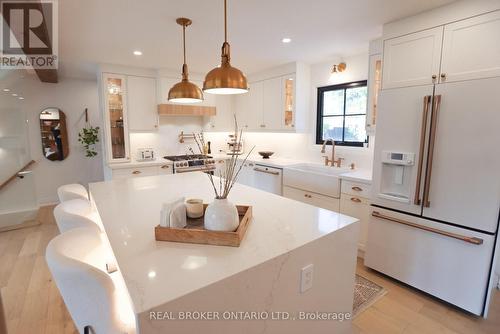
x=225, y=79
x=185, y=91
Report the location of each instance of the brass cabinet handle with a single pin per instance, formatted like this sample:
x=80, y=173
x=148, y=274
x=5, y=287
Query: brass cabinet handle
x=443, y=75
x=136, y=172
x=472, y=240
x=356, y=188
x=355, y=199
x=434, y=77
x=432, y=142
x=425, y=113
x=165, y=166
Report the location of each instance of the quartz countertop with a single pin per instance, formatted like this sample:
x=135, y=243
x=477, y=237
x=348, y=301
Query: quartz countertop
x=156, y=272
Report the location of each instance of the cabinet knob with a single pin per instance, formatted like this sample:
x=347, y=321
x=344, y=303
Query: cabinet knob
x=356, y=200
x=357, y=188
x=136, y=172
x=262, y=125
x=443, y=76
x=434, y=77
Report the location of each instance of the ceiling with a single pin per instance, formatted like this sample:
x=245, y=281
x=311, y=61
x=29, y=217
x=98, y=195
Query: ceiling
x=107, y=31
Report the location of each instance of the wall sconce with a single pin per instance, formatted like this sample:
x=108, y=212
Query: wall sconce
x=337, y=68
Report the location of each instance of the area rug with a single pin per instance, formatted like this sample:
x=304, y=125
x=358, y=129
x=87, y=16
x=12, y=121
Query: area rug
x=366, y=293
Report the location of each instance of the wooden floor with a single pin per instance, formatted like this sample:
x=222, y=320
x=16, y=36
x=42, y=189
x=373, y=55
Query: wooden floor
x=33, y=304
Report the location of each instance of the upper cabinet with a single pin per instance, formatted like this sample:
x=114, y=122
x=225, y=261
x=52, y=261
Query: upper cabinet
x=115, y=115
x=471, y=48
x=142, y=106
x=463, y=50
x=413, y=59
x=269, y=105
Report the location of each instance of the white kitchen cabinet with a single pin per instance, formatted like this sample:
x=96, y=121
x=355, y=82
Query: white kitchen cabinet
x=357, y=207
x=165, y=169
x=123, y=173
x=273, y=104
x=142, y=106
x=220, y=166
x=249, y=107
x=412, y=59
x=471, y=48
x=318, y=200
x=247, y=173
x=224, y=118
x=114, y=92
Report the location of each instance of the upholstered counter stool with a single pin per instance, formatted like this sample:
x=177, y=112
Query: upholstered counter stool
x=75, y=213
x=98, y=302
x=72, y=191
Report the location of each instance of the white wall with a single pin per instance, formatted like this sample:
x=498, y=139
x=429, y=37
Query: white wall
x=72, y=96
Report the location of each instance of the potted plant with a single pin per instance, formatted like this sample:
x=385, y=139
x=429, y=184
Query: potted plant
x=221, y=214
x=89, y=137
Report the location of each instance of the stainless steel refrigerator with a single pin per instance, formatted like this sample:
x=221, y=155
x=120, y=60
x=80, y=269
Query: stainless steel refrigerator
x=436, y=189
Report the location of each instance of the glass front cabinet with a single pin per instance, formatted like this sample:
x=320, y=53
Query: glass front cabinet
x=115, y=112
x=288, y=84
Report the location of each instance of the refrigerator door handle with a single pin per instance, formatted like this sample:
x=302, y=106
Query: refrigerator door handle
x=432, y=142
x=471, y=240
x=425, y=113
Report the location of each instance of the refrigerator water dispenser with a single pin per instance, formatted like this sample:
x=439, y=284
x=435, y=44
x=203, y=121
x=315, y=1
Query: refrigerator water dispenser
x=396, y=175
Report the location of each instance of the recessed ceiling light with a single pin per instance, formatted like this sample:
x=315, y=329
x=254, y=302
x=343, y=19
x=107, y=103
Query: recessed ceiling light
x=21, y=98
x=138, y=53
x=286, y=40
x=6, y=90
x=14, y=94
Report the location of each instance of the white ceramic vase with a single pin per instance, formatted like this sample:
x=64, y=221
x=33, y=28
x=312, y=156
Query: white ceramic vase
x=221, y=215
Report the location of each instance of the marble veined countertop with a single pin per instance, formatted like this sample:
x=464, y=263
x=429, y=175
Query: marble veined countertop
x=157, y=272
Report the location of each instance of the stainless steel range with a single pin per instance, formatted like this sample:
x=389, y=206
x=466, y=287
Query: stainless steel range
x=192, y=163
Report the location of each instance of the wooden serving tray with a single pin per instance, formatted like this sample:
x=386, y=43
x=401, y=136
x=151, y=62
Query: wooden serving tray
x=195, y=232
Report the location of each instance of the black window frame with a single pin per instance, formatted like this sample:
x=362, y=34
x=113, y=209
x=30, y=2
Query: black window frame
x=320, y=116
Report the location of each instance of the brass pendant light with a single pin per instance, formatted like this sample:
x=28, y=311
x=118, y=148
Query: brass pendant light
x=225, y=79
x=185, y=91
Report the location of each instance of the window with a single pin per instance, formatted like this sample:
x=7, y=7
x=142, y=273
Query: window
x=342, y=114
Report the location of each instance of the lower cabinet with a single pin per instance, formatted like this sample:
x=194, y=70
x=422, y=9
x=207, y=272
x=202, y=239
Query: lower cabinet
x=321, y=201
x=247, y=174
x=123, y=173
x=357, y=207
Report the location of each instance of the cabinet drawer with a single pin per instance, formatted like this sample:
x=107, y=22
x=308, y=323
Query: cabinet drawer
x=134, y=172
x=433, y=261
x=357, y=207
x=318, y=200
x=356, y=189
x=165, y=169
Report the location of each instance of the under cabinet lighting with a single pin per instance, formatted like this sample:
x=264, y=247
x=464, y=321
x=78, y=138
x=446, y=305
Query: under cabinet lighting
x=6, y=90
x=14, y=94
x=138, y=53
x=286, y=40
x=21, y=98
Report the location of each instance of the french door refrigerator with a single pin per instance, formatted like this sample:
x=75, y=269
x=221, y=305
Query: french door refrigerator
x=436, y=190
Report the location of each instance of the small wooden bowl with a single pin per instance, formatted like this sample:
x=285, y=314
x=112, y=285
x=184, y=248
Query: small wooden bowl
x=265, y=154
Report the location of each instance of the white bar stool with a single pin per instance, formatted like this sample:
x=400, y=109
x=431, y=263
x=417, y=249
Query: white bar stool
x=72, y=191
x=97, y=301
x=73, y=214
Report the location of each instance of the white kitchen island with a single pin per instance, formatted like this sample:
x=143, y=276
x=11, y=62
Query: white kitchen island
x=168, y=281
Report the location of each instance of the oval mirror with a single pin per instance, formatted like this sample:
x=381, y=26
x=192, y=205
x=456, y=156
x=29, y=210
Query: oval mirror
x=54, y=135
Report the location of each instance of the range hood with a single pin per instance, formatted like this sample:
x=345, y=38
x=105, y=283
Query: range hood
x=185, y=110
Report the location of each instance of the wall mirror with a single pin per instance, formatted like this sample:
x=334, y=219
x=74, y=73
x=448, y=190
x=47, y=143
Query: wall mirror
x=54, y=135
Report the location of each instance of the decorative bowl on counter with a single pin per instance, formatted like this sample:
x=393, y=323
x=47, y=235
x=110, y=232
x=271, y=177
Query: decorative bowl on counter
x=266, y=154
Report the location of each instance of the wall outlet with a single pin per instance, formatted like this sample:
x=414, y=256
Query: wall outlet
x=306, y=278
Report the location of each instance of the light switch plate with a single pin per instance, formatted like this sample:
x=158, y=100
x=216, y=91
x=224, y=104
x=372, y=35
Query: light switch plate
x=306, y=278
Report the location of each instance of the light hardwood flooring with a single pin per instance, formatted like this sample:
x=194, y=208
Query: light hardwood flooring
x=34, y=305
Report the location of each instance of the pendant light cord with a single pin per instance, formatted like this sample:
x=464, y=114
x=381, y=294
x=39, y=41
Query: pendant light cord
x=225, y=21
x=184, y=41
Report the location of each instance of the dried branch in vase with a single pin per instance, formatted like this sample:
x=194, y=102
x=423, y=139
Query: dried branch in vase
x=227, y=177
